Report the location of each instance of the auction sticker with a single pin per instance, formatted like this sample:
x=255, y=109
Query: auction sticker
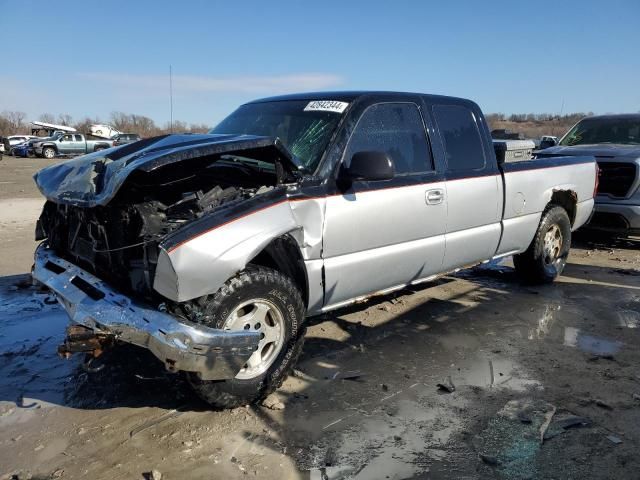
x=326, y=106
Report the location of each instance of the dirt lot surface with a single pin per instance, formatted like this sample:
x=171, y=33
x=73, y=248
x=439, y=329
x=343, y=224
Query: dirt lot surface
x=20, y=205
x=536, y=382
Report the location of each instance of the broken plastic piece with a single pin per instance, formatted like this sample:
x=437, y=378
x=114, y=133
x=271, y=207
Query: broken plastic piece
x=447, y=386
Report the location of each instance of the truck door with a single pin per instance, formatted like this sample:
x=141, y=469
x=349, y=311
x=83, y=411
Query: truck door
x=79, y=145
x=66, y=144
x=473, y=188
x=381, y=234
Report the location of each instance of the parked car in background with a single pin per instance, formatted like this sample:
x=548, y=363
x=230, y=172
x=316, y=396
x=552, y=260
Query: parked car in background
x=21, y=150
x=69, y=144
x=10, y=142
x=124, y=138
x=103, y=131
x=615, y=142
x=25, y=149
x=210, y=250
x=17, y=139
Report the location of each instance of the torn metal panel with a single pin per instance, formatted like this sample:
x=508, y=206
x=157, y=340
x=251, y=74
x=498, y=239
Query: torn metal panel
x=202, y=264
x=96, y=178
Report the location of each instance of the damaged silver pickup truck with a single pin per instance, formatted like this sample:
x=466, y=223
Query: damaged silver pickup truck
x=210, y=250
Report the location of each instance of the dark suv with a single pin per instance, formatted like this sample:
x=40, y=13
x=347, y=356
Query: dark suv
x=615, y=142
x=124, y=138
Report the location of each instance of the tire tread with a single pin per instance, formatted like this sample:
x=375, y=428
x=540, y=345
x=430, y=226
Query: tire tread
x=224, y=394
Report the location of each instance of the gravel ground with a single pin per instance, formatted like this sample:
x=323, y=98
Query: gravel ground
x=537, y=382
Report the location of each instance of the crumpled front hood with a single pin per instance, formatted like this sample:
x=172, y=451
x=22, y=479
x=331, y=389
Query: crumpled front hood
x=94, y=179
x=595, y=150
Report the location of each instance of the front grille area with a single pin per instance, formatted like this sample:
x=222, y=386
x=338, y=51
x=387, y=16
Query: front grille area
x=616, y=178
x=108, y=242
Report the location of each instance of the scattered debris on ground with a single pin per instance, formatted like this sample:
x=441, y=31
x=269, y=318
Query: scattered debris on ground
x=447, y=386
x=272, y=402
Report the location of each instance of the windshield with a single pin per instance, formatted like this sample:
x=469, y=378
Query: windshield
x=625, y=131
x=305, y=132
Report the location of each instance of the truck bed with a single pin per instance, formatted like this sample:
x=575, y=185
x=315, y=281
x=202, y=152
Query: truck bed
x=523, y=183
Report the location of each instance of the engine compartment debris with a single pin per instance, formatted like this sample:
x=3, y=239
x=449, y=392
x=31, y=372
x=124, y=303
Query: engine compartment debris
x=119, y=241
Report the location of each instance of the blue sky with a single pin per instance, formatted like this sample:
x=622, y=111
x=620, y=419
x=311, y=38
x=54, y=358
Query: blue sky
x=92, y=58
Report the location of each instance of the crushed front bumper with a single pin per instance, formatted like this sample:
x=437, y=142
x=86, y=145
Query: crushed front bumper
x=212, y=353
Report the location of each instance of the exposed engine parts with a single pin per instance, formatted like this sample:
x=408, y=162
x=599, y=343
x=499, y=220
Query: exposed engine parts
x=119, y=241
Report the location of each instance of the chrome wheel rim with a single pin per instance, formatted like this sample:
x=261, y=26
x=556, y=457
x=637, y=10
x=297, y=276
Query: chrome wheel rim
x=48, y=153
x=552, y=244
x=262, y=316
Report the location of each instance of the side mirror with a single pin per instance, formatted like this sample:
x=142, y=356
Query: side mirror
x=369, y=166
x=547, y=143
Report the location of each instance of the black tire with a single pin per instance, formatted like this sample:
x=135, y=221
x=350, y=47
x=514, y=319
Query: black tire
x=254, y=282
x=48, y=152
x=541, y=263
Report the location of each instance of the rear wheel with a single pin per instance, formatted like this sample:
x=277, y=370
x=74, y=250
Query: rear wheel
x=262, y=300
x=546, y=257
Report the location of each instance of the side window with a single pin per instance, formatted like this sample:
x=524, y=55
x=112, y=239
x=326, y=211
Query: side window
x=461, y=137
x=398, y=130
x=67, y=138
x=78, y=138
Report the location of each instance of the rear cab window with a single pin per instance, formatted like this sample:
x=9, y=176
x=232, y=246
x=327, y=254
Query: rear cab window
x=398, y=130
x=464, y=149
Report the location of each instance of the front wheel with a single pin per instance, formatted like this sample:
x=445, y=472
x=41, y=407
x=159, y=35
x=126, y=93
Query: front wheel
x=48, y=152
x=546, y=257
x=270, y=303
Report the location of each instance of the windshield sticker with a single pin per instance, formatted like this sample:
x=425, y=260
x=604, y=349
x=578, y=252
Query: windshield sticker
x=326, y=106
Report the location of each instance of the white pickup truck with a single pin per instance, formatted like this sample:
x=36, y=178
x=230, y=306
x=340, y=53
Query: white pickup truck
x=210, y=250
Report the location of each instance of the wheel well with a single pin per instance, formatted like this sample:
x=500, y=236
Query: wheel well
x=283, y=254
x=566, y=199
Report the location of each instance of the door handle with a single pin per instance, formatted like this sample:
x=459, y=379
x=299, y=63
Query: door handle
x=434, y=197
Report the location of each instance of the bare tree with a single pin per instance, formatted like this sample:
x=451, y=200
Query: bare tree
x=65, y=119
x=47, y=118
x=199, y=128
x=17, y=119
x=12, y=122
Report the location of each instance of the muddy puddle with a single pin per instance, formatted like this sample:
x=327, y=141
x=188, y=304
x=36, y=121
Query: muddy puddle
x=31, y=327
x=32, y=375
x=364, y=402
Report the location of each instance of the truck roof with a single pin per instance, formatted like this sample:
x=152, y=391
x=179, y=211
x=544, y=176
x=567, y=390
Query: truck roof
x=617, y=116
x=350, y=96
